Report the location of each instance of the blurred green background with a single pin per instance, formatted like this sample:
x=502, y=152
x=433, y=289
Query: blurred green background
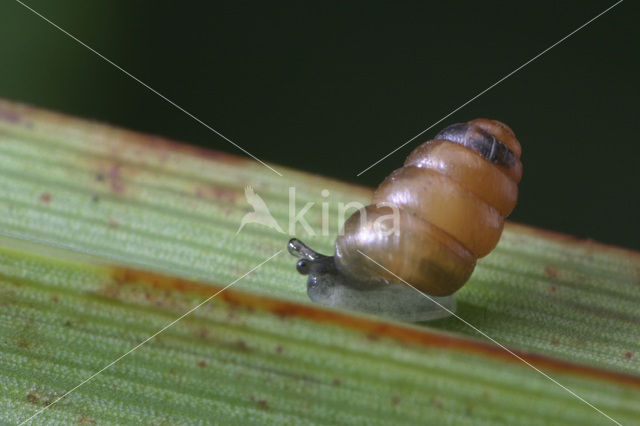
x=330, y=88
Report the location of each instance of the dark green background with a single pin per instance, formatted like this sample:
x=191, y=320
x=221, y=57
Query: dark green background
x=331, y=88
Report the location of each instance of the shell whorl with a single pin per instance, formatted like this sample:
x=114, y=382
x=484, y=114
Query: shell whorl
x=452, y=196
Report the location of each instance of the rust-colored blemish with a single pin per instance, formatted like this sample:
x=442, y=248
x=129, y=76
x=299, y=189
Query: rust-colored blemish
x=373, y=336
x=114, y=172
x=218, y=193
x=115, y=179
x=67, y=323
x=552, y=288
x=232, y=314
x=241, y=345
x=55, y=299
x=33, y=398
x=112, y=223
x=395, y=400
x=628, y=355
x=86, y=420
x=202, y=363
x=551, y=272
x=336, y=382
x=406, y=334
x=112, y=292
x=45, y=198
x=554, y=341
x=435, y=402
x=224, y=194
x=260, y=402
x=279, y=349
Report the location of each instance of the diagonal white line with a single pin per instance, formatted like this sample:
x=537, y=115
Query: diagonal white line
x=149, y=87
x=495, y=84
x=148, y=338
x=496, y=342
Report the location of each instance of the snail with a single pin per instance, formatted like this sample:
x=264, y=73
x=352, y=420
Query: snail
x=427, y=224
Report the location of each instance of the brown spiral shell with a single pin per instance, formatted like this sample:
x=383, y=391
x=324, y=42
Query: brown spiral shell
x=452, y=194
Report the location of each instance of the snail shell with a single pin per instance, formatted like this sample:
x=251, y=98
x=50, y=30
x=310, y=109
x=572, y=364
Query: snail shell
x=450, y=199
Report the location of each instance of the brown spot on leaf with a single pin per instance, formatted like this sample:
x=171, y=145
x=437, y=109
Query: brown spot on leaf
x=32, y=398
x=336, y=382
x=67, y=323
x=224, y=194
x=99, y=177
x=395, y=400
x=554, y=341
x=552, y=288
x=114, y=172
x=115, y=179
x=218, y=193
x=45, y=198
x=202, y=363
x=55, y=299
x=282, y=314
x=628, y=355
x=262, y=403
x=373, y=336
x=279, y=349
x=241, y=345
x=232, y=314
x=435, y=402
x=86, y=420
x=95, y=198
x=112, y=223
x=551, y=272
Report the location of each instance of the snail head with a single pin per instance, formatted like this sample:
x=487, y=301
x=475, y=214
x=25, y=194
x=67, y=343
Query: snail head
x=323, y=274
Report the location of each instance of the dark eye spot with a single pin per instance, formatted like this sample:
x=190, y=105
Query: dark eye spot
x=303, y=266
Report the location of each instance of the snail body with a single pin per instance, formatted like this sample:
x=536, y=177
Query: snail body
x=428, y=223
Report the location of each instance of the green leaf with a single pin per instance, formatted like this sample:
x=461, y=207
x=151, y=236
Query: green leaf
x=110, y=235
